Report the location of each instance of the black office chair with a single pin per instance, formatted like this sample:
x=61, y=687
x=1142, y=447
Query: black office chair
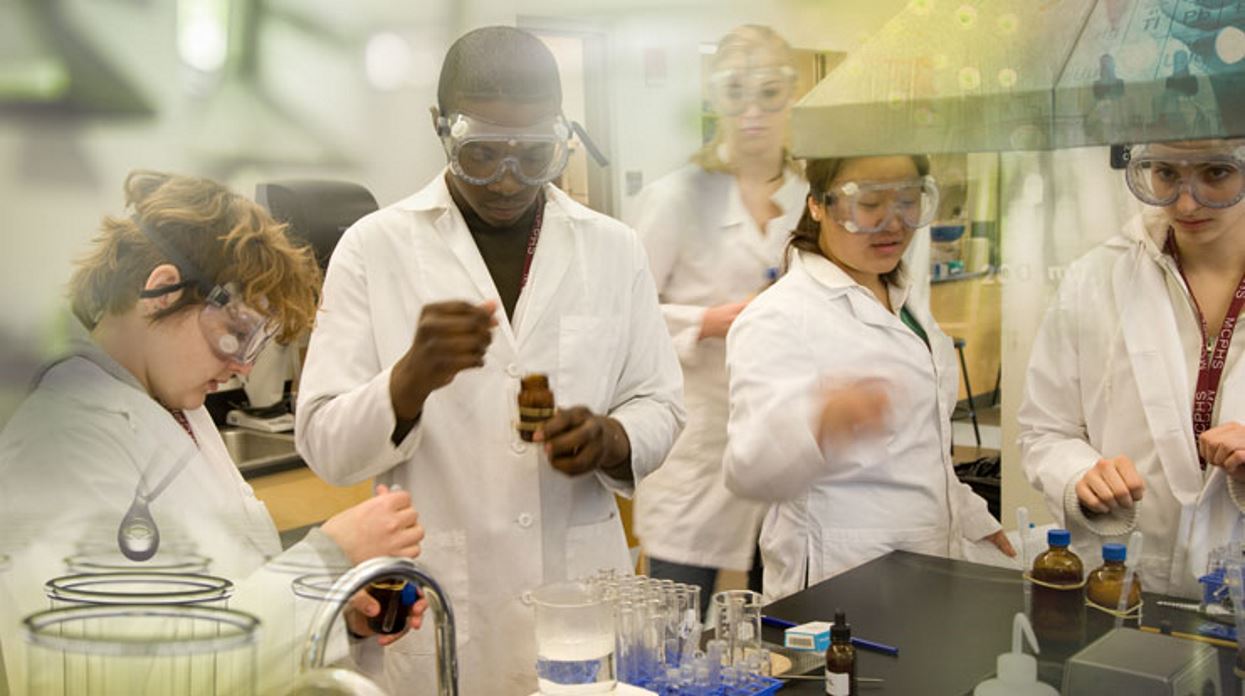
x=318, y=212
x=968, y=389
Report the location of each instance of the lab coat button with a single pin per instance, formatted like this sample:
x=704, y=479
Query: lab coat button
x=525, y=520
x=518, y=447
x=526, y=598
x=512, y=370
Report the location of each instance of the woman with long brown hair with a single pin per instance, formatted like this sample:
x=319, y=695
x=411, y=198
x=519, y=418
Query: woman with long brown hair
x=842, y=387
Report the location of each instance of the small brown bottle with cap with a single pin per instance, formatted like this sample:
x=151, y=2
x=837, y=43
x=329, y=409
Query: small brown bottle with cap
x=841, y=659
x=535, y=404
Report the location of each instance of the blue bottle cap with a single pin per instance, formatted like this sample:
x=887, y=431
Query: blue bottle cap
x=1058, y=537
x=1114, y=552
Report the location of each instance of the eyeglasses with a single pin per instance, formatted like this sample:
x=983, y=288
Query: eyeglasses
x=866, y=207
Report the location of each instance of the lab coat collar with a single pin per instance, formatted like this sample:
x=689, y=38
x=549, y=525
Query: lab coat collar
x=81, y=346
x=789, y=194
x=554, y=251
x=828, y=273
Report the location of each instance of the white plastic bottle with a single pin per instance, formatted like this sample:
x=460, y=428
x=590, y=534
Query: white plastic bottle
x=1017, y=672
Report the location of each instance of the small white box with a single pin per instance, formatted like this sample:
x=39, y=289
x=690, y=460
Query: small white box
x=811, y=636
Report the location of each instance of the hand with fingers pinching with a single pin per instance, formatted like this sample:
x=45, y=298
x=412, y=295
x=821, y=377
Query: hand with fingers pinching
x=1224, y=446
x=450, y=337
x=384, y=525
x=1109, y=485
x=578, y=441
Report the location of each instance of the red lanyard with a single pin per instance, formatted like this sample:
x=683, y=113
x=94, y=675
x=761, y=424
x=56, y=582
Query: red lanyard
x=532, y=238
x=1213, y=354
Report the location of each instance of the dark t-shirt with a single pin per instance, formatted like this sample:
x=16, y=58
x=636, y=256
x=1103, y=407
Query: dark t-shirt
x=504, y=249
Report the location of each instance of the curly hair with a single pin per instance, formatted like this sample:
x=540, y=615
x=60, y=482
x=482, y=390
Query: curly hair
x=227, y=237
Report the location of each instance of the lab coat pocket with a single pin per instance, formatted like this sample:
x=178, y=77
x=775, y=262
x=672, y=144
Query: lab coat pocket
x=444, y=556
x=597, y=546
x=587, y=348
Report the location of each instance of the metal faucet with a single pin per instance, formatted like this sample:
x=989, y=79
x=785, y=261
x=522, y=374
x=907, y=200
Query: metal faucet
x=369, y=571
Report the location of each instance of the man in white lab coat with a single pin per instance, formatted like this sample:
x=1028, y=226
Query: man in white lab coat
x=1110, y=429
x=434, y=308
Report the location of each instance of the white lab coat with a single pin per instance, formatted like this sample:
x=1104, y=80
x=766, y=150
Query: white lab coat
x=704, y=249
x=70, y=462
x=831, y=512
x=500, y=520
x=1112, y=373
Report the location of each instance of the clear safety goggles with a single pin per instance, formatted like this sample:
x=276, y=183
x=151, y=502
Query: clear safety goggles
x=865, y=207
x=732, y=90
x=481, y=153
x=1215, y=179
x=235, y=331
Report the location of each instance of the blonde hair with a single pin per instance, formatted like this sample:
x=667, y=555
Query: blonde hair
x=744, y=39
x=227, y=237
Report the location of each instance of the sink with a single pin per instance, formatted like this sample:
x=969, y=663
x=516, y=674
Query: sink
x=251, y=449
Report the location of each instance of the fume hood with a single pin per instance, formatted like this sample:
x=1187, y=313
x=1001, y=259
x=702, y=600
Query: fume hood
x=949, y=76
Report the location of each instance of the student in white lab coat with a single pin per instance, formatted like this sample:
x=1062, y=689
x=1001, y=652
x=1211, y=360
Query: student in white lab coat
x=1110, y=429
x=435, y=306
x=715, y=231
x=178, y=296
x=842, y=387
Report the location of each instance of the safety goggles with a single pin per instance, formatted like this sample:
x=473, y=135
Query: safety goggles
x=481, y=153
x=865, y=207
x=235, y=331
x=732, y=90
x=1215, y=179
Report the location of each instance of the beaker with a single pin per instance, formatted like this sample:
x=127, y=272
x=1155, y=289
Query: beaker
x=113, y=562
x=90, y=650
x=574, y=639
x=138, y=588
x=310, y=592
x=736, y=619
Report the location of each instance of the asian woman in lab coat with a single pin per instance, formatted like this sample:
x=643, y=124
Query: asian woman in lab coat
x=714, y=231
x=842, y=387
x=178, y=296
x=1135, y=395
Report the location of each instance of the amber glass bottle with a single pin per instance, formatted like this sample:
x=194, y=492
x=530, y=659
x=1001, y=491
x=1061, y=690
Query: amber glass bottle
x=1105, y=583
x=1058, y=600
x=535, y=404
x=841, y=659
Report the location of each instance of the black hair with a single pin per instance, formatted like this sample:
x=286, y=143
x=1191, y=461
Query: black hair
x=498, y=63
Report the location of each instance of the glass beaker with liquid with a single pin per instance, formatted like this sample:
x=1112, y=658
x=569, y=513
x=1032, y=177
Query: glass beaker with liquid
x=140, y=650
x=574, y=639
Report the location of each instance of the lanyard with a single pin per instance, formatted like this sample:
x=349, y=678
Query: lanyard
x=1214, y=353
x=532, y=238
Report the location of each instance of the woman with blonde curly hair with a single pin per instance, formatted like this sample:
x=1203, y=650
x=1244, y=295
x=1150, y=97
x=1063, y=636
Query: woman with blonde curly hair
x=714, y=231
x=178, y=295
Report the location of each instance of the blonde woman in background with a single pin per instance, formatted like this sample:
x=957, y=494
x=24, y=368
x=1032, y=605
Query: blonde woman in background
x=714, y=231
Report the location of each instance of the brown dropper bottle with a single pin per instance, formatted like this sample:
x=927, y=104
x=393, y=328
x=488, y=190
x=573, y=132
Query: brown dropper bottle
x=841, y=659
x=535, y=404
